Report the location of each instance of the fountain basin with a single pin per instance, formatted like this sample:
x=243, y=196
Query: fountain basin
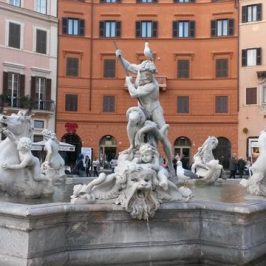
x=199, y=232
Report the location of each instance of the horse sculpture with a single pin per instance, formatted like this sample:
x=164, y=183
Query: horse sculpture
x=15, y=181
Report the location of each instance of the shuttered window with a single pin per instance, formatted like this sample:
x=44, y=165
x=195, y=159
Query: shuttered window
x=110, y=29
x=221, y=68
x=221, y=104
x=41, y=41
x=183, y=104
x=252, y=13
x=109, y=68
x=14, y=35
x=183, y=29
x=222, y=27
x=251, y=57
x=72, y=66
x=146, y=29
x=71, y=102
x=183, y=68
x=108, y=104
x=73, y=26
x=251, y=95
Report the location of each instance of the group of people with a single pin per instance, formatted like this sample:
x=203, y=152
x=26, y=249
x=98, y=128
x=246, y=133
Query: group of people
x=85, y=167
x=238, y=166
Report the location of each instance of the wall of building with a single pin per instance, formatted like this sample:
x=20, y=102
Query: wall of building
x=201, y=87
x=251, y=116
x=25, y=60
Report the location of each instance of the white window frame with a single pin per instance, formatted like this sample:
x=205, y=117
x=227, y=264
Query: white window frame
x=263, y=94
x=35, y=38
x=38, y=89
x=20, y=3
x=21, y=34
x=110, y=29
x=252, y=57
x=40, y=8
x=13, y=89
x=183, y=29
x=146, y=29
x=222, y=27
x=252, y=13
x=39, y=128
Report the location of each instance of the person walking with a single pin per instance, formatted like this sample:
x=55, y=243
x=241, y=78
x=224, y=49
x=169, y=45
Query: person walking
x=87, y=165
x=241, y=166
x=233, y=166
x=96, y=166
x=79, y=168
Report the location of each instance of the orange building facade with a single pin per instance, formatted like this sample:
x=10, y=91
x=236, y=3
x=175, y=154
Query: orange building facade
x=196, y=48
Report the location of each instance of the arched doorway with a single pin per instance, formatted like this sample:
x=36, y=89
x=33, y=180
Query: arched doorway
x=108, y=150
x=182, y=147
x=70, y=157
x=223, y=151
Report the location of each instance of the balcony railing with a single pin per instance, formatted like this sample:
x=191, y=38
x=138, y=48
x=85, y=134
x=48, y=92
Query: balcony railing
x=8, y=102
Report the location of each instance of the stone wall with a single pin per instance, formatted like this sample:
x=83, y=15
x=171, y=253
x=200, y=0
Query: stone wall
x=194, y=233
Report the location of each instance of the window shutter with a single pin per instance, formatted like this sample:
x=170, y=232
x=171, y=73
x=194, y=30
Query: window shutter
x=64, y=25
x=213, y=28
x=102, y=23
x=244, y=57
x=244, y=14
x=192, y=29
x=22, y=86
x=259, y=12
x=258, y=56
x=5, y=82
x=33, y=85
x=251, y=95
x=175, y=28
x=154, y=28
x=118, y=28
x=48, y=89
x=231, y=27
x=81, y=27
x=138, y=27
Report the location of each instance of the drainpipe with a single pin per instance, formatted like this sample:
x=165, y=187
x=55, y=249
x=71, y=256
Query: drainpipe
x=91, y=54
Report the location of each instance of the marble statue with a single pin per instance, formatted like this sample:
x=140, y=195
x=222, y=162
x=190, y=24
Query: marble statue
x=256, y=184
x=204, y=165
x=53, y=165
x=20, y=173
x=139, y=183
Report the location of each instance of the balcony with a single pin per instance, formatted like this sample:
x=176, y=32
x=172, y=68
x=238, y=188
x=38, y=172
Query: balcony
x=14, y=104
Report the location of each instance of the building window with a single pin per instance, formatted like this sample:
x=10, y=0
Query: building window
x=14, y=35
x=110, y=29
x=184, y=1
x=147, y=1
x=38, y=124
x=15, y=2
x=182, y=104
x=251, y=95
x=73, y=26
x=37, y=138
x=183, y=29
x=221, y=104
x=72, y=66
x=183, y=68
x=222, y=27
x=264, y=94
x=13, y=88
x=41, y=40
x=108, y=104
x=71, y=102
x=252, y=13
x=146, y=29
x=41, y=93
x=109, y=68
x=221, y=68
x=110, y=1
x=251, y=57
x=41, y=6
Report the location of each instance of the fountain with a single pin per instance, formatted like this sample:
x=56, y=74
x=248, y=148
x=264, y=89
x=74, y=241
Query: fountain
x=137, y=215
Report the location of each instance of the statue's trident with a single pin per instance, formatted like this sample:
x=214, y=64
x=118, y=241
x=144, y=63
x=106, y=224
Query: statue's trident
x=120, y=59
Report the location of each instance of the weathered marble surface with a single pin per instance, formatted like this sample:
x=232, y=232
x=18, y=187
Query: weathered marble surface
x=256, y=184
x=193, y=233
x=20, y=173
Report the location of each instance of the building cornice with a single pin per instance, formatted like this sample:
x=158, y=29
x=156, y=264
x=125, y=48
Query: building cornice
x=28, y=13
